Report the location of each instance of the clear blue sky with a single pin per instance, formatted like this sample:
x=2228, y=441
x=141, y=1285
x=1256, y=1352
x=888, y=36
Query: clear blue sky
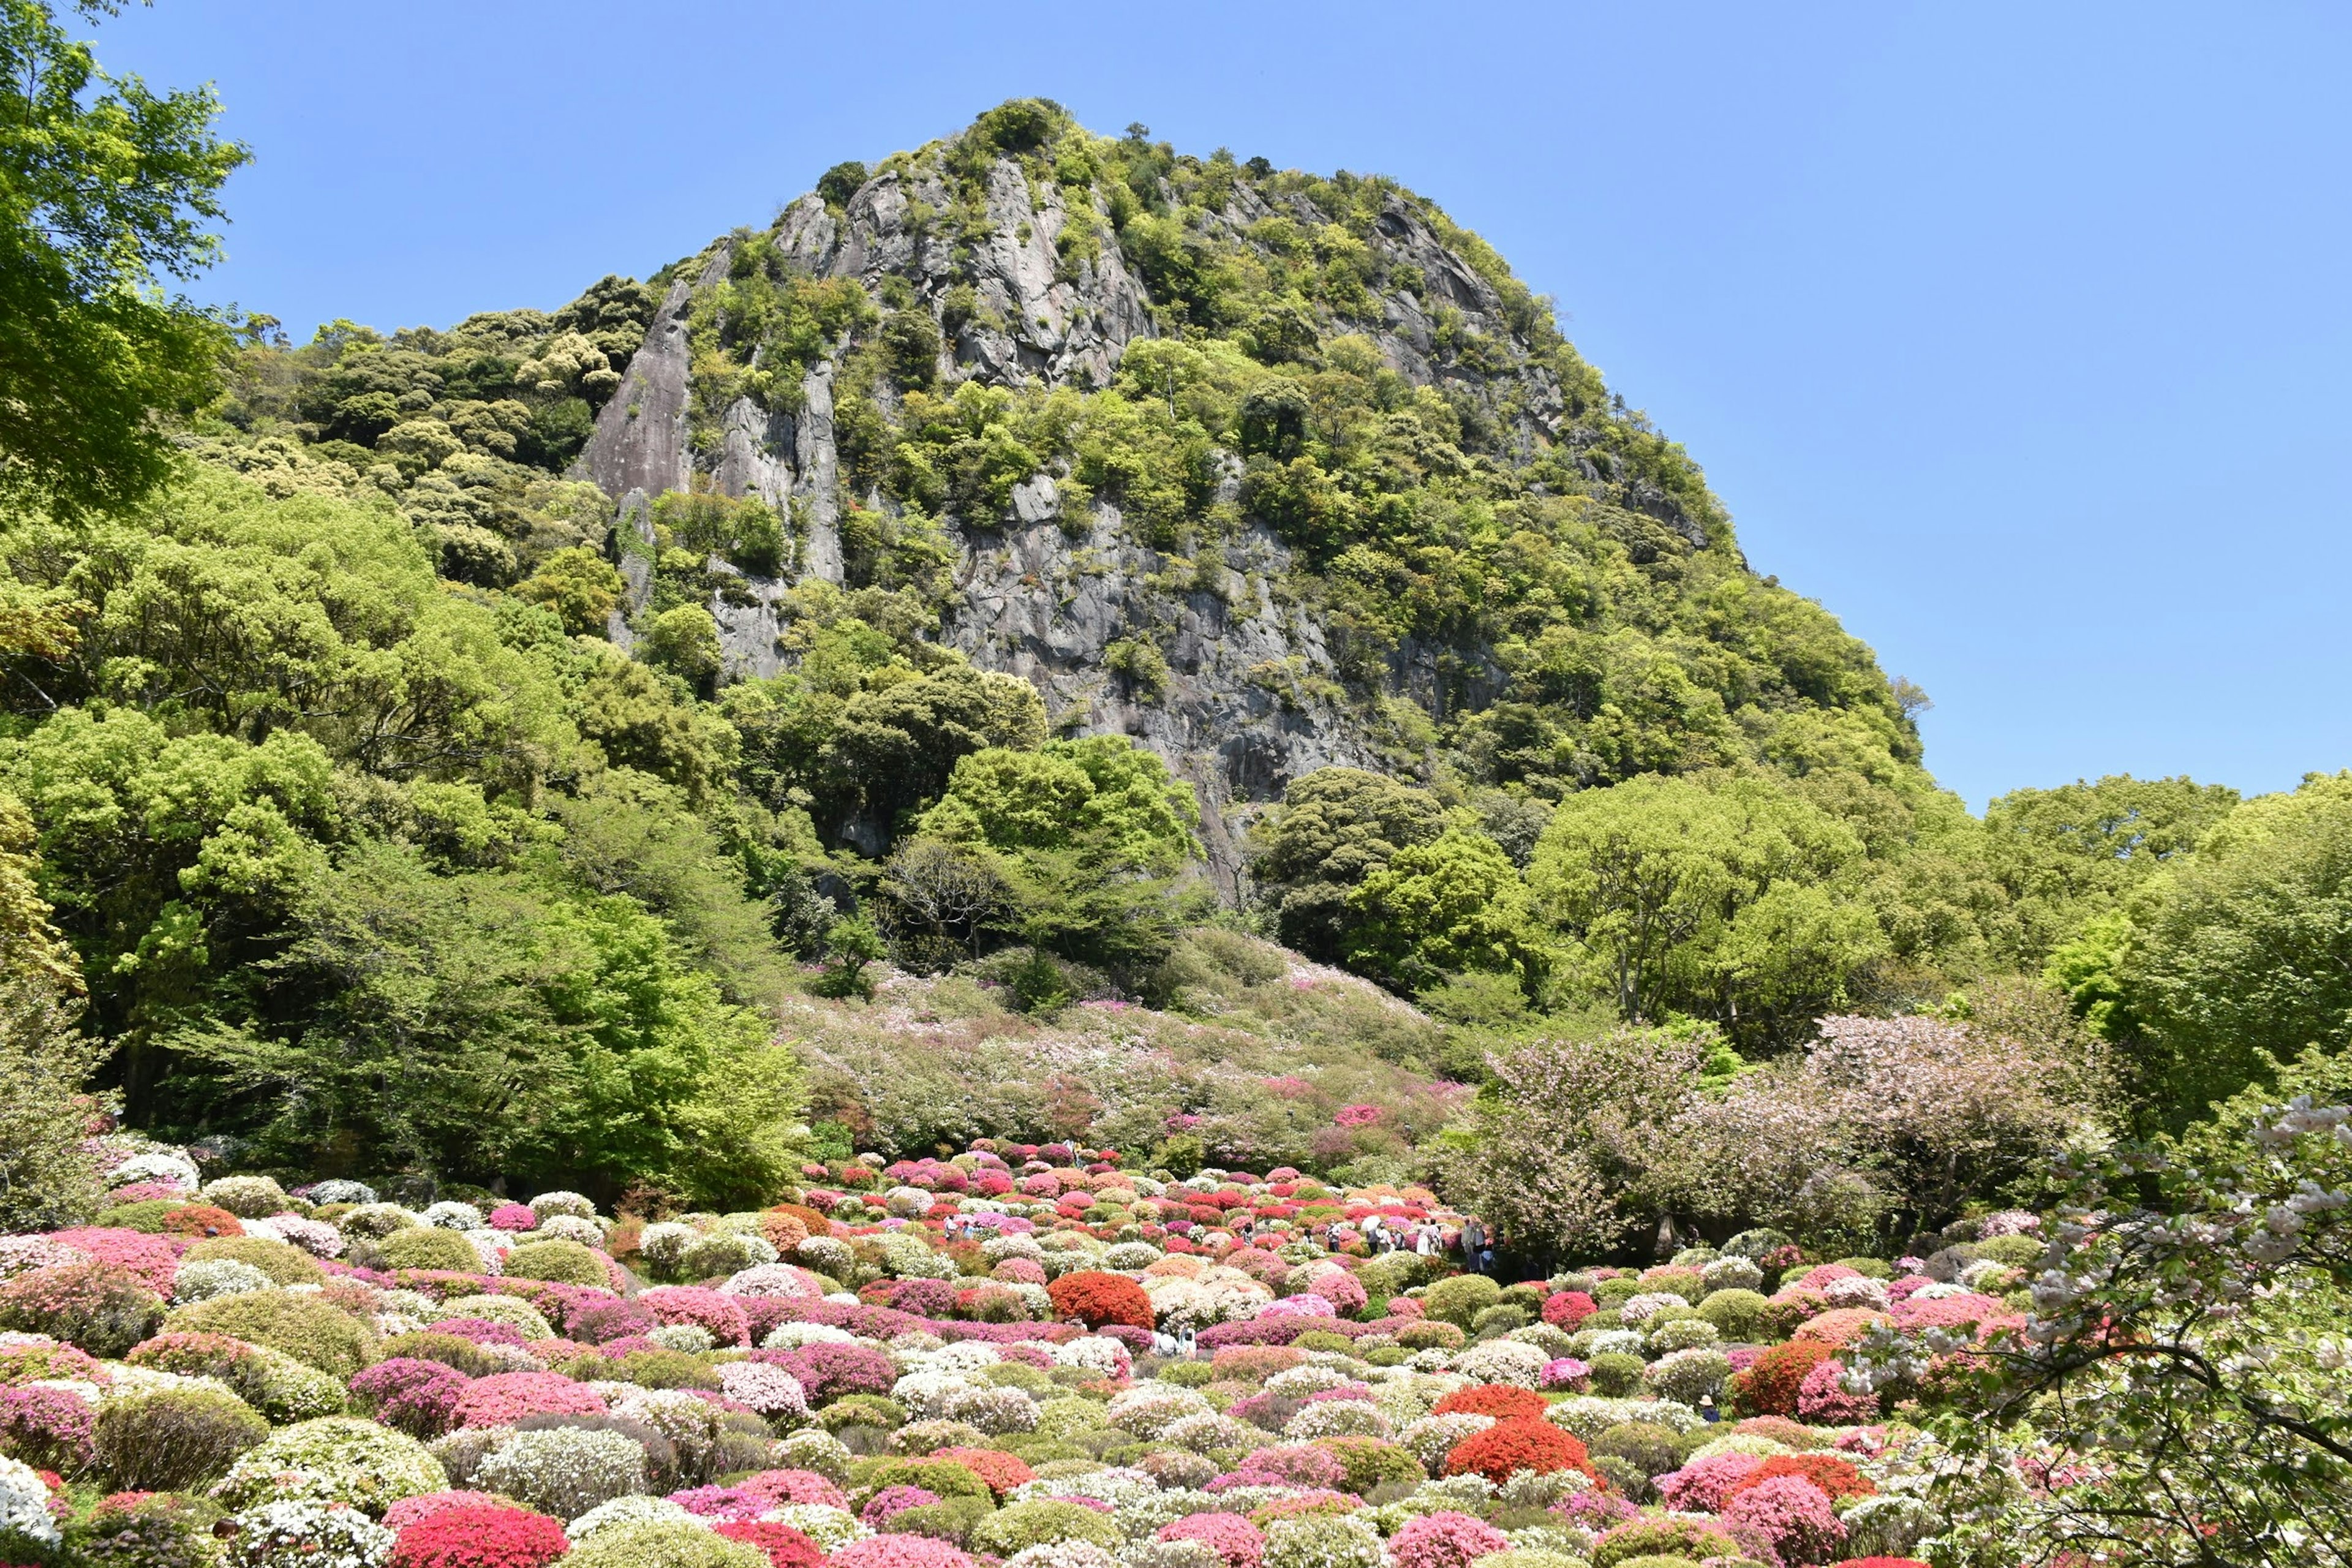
x=2018, y=335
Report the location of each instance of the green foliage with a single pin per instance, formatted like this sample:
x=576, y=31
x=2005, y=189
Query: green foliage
x=2230, y=956
x=47, y=1180
x=1734, y=900
x=1338, y=826
x=1453, y=904
x=105, y=188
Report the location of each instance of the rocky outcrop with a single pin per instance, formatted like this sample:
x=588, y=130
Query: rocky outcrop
x=1249, y=701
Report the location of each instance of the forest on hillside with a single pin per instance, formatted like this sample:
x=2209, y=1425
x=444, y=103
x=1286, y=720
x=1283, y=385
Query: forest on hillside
x=383, y=798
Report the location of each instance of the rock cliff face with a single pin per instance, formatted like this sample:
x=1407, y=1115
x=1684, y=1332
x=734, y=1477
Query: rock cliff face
x=1031, y=287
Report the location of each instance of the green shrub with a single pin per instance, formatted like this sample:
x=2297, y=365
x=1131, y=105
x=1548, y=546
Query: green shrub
x=285, y=1263
x=1879, y=1269
x=428, y=1247
x=564, y=1262
x=1460, y=1300
x=1371, y=1463
x=862, y=1410
x=1496, y=1322
x=1610, y=1294
x=1670, y=1538
x=281, y=1388
x=950, y=1520
x=1616, y=1374
x=1653, y=1449
x=1428, y=1335
x=310, y=1329
x=173, y=1440
x=2016, y=1251
x=1323, y=1340
x=1738, y=1315
x=1039, y=1522
x=146, y=1215
x=662, y=1544
x=449, y=1350
x=944, y=1476
x=167, y=1531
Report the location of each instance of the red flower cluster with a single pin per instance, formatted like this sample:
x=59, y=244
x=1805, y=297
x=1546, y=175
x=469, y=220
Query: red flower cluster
x=1566, y=1308
x=480, y=1536
x=1837, y=1479
x=1770, y=1386
x=1000, y=1471
x=1516, y=1444
x=1498, y=1400
x=1096, y=1299
x=786, y=1547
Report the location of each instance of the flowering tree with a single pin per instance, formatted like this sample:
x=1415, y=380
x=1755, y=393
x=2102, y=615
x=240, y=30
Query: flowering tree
x=2179, y=1395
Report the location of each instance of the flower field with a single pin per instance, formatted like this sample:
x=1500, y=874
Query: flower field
x=938, y=1364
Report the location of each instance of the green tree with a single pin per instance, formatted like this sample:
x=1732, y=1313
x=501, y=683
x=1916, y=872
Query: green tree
x=685, y=642
x=1335, y=828
x=581, y=586
x=484, y=1024
x=105, y=189
x=1115, y=797
x=47, y=1180
x=2241, y=950
x=2063, y=854
x=1451, y=905
x=1733, y=900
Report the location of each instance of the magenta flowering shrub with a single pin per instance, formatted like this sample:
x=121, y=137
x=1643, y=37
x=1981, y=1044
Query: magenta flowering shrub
x=103, y=1307
x=782, y=1488
x=721, y=1314
x=899, y=1552
x=827, y=1372
x=506, y=1397
x=603, y=1319
x=513, y=1217
x=1566, y=1372
x=1444, y=1540
x=721, y=1502
x=48, y=1428
x=419, y=1397
x=1822, y=1398
x=32, y=1358
x=1290, y=1465
x=891, y=1501
x=1793, y=1517
x=1700, y=1486
x=1967, y=1310
x=1237, y=1543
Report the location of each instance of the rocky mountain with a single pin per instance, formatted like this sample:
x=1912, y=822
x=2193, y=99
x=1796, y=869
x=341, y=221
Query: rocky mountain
x=1268, y=470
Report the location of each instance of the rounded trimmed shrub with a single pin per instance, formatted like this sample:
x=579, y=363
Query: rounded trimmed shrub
x=478, y=1535
x=564, y=1470
x=282, y=1261
x=429, y=1247
x=564, y=1262
x=336, y=1458
x=1460, y=1300
x=1042, y=1521
x=146, y=1530
x=95, y=1307
x=663, y=1544
x=173, y=1440
x=311, y=1329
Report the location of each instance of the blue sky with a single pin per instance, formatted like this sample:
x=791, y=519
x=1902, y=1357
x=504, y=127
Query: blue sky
x=2018, y=335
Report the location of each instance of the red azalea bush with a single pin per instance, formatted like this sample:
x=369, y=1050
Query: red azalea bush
x=1444, y=1539
x=1000, y=1471
x=786, y=1547
x=721, y=1314
x=1770, y=1386
x=1518, y=1444
x=1837, y=1478
x=474, y=1535
x=1566, y=1308
x=1094, y=1299
x=506, y=1397
x=1499, y=1400
x=199, y=1221
x=1237, y=1543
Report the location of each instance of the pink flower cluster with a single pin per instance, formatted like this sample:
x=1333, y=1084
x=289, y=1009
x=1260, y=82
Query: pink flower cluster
x=1444, y=1539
